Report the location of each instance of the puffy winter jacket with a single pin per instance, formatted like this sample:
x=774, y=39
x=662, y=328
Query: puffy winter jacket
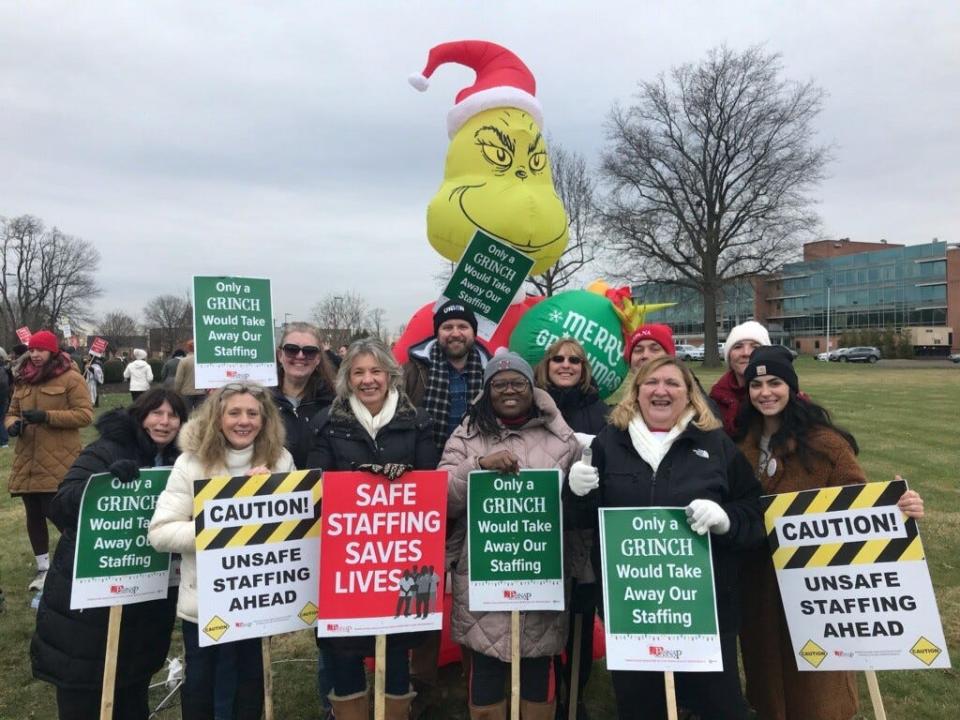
x=296, y=421
x=341, y=443
x=68, y=646
x=699, y=464
x=172, y=528
x=45, y=451
x=140, y=375
x=544, y=442
x=728, y=397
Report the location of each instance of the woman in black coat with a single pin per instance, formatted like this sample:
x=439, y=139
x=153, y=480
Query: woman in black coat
x=665, y=448
x=371, y=425
x=68, y=646
x=564, y=372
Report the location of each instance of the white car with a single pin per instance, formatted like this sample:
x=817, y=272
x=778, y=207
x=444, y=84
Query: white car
x=696, y=353
x=686, y=352
x=824, y=356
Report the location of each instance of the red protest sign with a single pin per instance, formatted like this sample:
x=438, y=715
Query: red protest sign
x=98, y=346
x=381, y=553
x=24, y=335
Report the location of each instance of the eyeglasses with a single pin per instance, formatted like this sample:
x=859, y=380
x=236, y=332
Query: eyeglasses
x=309, y=351
x=251, y=388
x=515, y=385
x=572, y=359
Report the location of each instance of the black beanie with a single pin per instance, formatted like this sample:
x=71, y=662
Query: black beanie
x=773, y=360
x=453, y=310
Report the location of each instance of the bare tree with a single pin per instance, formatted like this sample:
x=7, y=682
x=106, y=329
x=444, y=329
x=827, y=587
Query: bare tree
x=45, y=275
x=710, y=172
x=172, y=315
x=376, y=322
x=341, y=317
x=117, y=324
x=576, y=189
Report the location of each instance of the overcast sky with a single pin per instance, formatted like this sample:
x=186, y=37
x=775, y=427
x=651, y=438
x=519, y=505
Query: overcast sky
x=281, y=139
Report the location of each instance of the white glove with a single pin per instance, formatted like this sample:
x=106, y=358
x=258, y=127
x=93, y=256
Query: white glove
x=706, y=515
x=584, y=439
x=584, y=477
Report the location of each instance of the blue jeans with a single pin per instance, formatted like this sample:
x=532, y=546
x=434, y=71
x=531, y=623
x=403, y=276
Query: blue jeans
x=325, y=677
x=350, y=676
x=202, y=678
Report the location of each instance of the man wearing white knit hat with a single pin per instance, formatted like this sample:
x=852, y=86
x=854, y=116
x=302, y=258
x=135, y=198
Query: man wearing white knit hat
x=731, y=390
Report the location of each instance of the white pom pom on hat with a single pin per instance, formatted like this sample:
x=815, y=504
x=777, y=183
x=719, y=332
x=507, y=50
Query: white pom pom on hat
x=418, y=81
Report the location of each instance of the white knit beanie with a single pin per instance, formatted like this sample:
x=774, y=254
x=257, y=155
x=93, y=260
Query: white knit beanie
x=750, y=330
x=140, y=354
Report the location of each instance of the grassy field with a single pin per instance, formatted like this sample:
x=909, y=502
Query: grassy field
x=907, y=421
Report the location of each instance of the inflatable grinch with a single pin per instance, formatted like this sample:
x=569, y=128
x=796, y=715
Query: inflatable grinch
x=497, y=175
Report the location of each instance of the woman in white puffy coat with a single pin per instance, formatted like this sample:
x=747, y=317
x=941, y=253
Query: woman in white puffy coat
x=139, y=373
x=238, y=431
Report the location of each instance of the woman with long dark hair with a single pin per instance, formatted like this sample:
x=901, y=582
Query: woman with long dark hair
x=792, y=445
x=69, y=645
x=49, y=406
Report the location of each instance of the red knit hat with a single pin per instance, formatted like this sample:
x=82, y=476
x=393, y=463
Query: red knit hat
x=44, y=340
x=660, y=334
x=502, y=80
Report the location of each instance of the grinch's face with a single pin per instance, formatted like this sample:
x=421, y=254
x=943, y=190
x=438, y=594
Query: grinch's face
x=497, y=179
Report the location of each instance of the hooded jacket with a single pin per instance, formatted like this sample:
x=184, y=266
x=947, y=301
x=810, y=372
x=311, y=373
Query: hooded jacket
x=68, y=646
x=140, y=375
x=417, y=368
x=775, y=688
x=546, y=441
x=45, y=451
x=172, y=528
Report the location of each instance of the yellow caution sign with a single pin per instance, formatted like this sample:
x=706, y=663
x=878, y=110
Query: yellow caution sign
x=925, y=651
x=813, y=653
x=308, y=614
x=215, y=628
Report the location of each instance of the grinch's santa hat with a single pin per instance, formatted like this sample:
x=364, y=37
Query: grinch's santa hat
x=502, y=80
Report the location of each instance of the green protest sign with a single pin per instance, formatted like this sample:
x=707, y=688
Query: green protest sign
x=658, y=592
x=515, y=545
x=486, y=279
x=233, y=331
x=114, y=564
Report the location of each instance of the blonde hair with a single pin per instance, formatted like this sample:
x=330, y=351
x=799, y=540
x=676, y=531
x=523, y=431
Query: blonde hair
x=629, y=407
x=383, y=358
x=541, y=372
x=212, y=445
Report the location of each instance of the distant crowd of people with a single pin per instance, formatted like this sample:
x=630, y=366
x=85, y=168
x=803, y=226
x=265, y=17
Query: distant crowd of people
x=455, y=407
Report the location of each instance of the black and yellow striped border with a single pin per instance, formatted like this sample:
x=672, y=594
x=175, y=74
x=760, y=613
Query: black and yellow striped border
x=847, y=497
x=225, y=487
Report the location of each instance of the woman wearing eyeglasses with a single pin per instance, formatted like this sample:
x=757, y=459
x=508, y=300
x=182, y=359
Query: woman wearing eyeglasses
x=511, y=425
x=564, y=372
x=306, y=385
x=371, y=425
x=236, y=432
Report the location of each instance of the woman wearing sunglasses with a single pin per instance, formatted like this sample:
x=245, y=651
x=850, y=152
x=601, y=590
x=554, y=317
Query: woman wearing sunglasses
x=565, y=374
x=511, y=425
x=306, y=385
x=236, y=432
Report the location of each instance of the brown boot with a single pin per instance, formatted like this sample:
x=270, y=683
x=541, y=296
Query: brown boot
x=398, y=706
x=538, y=710
x=489, y=712
x=351, y=707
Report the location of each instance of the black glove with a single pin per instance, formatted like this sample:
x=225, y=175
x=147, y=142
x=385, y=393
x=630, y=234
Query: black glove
x=391, y=471
x=125, y=470
x=34, y=416
x=14, y=429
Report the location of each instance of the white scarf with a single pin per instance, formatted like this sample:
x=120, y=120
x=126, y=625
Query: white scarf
x=374, y=423
x=651, y=449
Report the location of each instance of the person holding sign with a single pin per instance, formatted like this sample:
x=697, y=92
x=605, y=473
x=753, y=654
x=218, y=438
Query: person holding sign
x=49, y=406
x=565, y=374
x=68, y=646
x=511, y=425
x=373, y=426
x=664, y=447
x=793, y=445
x=236, y=432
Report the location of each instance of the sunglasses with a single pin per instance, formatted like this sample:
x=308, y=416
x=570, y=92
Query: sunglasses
x=244, y=388
x=515, y=385
x=309, y=351
x=572, y=359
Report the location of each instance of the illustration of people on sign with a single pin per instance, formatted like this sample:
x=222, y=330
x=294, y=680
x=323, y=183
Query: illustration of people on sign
x=420, y=586
x=405, y=595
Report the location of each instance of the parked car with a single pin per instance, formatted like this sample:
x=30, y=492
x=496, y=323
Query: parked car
x=824, y=356
x=955, y=357
x=697, y=353
x=686, y=352
x=835, y=355
x=861, y=354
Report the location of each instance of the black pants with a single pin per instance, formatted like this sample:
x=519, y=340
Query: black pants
x=37, y=506
x=136, y=393
x=423, y=604
x=488, y=678
x=199, y=681
x=129, y=703
x=711, y=695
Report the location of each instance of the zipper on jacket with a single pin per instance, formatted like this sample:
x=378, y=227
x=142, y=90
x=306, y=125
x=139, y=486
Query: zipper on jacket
x=653, y=486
